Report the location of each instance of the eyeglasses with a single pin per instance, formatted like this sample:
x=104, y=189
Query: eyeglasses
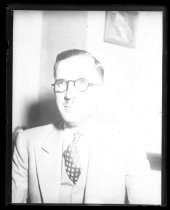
x=81, y=84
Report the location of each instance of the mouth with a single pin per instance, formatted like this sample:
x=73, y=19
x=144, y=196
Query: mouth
x=70, y=107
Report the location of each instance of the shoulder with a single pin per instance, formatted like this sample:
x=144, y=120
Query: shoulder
x=107, y=134
x=36, y=135
x=36, y=131
x=108, y=130
x=117, y=134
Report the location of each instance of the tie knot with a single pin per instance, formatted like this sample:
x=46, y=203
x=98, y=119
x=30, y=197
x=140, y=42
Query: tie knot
x=76, y=137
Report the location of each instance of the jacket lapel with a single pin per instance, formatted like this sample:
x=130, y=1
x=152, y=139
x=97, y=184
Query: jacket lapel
x=100, y=189
x=48, y=160
x=91, y=179
x=93, y=167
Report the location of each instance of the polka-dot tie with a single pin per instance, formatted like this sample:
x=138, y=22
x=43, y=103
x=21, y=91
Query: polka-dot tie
x=72, y=160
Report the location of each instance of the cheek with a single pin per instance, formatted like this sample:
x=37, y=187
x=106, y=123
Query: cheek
x=89, y=101
x=59, y=100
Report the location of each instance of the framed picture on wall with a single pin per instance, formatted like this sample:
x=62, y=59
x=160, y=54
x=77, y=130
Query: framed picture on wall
x=120, y=27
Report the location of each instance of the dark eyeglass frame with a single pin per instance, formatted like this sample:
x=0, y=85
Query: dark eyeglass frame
x=74, y=82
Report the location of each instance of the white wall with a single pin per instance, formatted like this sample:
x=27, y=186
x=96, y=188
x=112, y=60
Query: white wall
x=26, y=63
x=133, y=76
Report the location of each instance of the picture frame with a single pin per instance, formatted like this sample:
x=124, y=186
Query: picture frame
x=121, y=28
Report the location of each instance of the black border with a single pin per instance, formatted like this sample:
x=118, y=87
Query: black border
x=164, y=105
x=89, y=7
x=99, y=7
x=9, y=75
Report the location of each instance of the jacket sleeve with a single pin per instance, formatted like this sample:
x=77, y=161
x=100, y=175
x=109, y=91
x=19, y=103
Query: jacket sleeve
x=20, y=170
x=141, y=188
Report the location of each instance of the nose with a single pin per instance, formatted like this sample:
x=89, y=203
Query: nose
x=71, y=91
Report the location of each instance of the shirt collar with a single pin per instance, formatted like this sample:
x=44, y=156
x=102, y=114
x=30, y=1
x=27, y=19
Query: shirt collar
x=83, y=128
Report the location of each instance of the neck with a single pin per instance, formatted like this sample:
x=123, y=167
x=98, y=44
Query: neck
x=79, y=125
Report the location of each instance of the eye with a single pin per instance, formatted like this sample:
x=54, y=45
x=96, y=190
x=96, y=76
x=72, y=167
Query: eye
x=81, y=84
x=60, y=83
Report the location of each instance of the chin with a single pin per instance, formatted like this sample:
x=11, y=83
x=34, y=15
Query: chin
x=73, y=122
x=75, y=118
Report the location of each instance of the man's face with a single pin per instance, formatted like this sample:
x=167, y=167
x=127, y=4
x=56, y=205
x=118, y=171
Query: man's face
x=76, y=107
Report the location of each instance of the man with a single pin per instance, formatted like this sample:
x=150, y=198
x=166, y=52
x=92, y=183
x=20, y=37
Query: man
x=79, y=159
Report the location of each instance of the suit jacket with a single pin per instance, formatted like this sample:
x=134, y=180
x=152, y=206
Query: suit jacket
x=115, y=164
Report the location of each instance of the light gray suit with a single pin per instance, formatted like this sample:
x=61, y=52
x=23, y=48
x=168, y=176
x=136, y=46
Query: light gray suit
x=114, y=163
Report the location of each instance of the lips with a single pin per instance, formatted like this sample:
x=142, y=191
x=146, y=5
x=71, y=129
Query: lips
x=70, y=104
x=70, y=107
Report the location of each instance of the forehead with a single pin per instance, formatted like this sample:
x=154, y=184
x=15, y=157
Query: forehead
x=76, y=67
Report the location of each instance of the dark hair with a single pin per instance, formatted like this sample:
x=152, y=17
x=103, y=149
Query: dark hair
x=74, y=52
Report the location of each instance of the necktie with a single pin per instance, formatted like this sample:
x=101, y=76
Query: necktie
x=72, y=160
